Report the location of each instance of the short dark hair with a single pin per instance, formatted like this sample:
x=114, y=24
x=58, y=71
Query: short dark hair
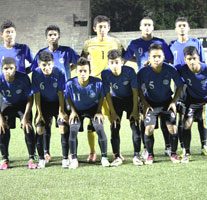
x=52, y=28
x=114, y=53
x=190, y=50
x=101, y=18
x=146, y=17
x=181, y=19
x=155, y=46
x=8, y=61
x=45, y=56
x=7, y=24
x=83, y=61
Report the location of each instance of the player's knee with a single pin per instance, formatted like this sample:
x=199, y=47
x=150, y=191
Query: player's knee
x=63, y=129
x=172, y=129
x=74, y=128
x=188, y=123
x=149, y=130
x=40, y=130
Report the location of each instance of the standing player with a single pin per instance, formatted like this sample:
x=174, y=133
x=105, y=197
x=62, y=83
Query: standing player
x=17, y=101
x=20, y=52
x=63, y=57
x=195, y=75
x=85, y=95
x=177, y=46
x=48, y=84
x=122, y=82
x=157, y=100
x=96, y=50
x=140, y=48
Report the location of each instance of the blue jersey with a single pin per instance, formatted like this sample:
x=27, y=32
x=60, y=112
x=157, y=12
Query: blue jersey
x=20, y=53
x=63, y=56
x=48, y=86
x=158, y=84
x=140, y=48
x=121, y=86
x=196, y=83
x=177, y=50
x=18, y=90
x=84, y=98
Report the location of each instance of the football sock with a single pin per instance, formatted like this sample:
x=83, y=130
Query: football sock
x=187, y=139
x=65, y=145
x=46, y=140
x=180, y=132
x=203, y=133
x=115, y=139
x=173, y=143
x=40, y=148
x=142, y=129
x=30, y=141
x=166, y=136
x=149, y=141
x=4, y=144
x=136, y=137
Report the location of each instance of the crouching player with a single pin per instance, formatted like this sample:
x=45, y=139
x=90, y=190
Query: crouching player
x=122, y=82
x=48, y=84
x=85, y=95
x=195, y=75
x=17, y=101
x=157, y=101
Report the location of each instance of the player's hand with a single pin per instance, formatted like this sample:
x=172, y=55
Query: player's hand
x=39, y=118
x=63, y=117
x=26, y=125
x=100, y=118
x=147, y=107
x=134, y=116
x=172, y=106
x=73, y=117
x=114, y=119
x=146, y=63
x=3, y=125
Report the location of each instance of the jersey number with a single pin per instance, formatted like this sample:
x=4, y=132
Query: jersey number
x=6, y=93
x=189, y=82
x=115, y=86
x=42, y=87
x=76, y=97
x=151, y=85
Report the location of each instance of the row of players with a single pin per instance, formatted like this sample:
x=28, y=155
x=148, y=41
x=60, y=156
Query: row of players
x=96, y=49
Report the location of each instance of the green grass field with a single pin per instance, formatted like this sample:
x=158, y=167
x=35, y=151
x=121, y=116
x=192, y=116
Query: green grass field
x=162, y=180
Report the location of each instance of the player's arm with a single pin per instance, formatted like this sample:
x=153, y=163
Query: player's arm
x=98, y=114
x=3, y=124
x=25, y=123
x=62, y=115
x=73, y=115
x=147, y=107
x=135, y=113
x=173, y=102
x=114, y=118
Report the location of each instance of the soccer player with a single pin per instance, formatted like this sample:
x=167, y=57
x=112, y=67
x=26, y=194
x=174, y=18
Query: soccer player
x=17, y=101
x=20, y=52
x=85, y=95
x=140, y=48
x=157, y=100
x=182, y=29
x=122, y=82
x=48, y=84
x=63, y=56
x=96, y=50
x=194, y=74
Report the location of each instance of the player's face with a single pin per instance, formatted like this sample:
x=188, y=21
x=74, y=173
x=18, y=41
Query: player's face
x=115, y=66
x=9, y=35
x=102, y=29
x=182, y=28
x=156, y=58
x=9, y=72
x=46, y=67
x=83, y=73
x=53, y=37
x=146, y=26
x=193, y=62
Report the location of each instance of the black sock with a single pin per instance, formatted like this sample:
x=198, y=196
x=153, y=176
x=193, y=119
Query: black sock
x=142, y=129
x=115, y=140
x=136, y=137
x=173, y=143
x=166, y=136
x=40, y=148
x=4, y=144
x=65, y=145
x=187, y=139
x=149, y=141
x=46, y=140
x=203, y=133
x=180, y=132
x=30, y=141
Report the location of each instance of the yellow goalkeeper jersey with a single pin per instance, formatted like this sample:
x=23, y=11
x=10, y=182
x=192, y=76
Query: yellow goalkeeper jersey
x=98, y=53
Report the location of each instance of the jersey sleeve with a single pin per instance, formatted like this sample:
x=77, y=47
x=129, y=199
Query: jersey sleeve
x=167, y=52
x=129, y=52
x=29, y=55
x=102, y=92
x=201, y=52
x=139, y=80
x=73, y=55
x=34, y=64
x=133, y=78
x=61, y=81
x=176, y=77
x=106, y=84
x=67, y=90
x=35, y=83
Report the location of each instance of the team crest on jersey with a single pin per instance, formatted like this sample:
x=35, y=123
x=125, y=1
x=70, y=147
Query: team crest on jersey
x=165, y=82
x=55, y=85
x=125, y=82
x=18, y=57
x=203, y=82
x=19, y=91
x=92, y=94
x=61, y=60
